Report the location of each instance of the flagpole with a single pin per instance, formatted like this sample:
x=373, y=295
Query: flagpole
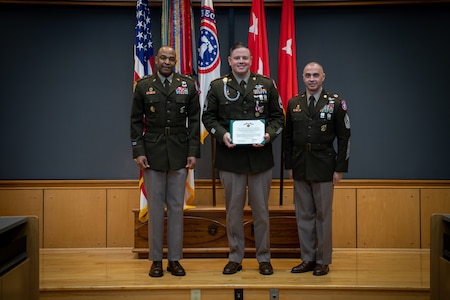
x=281, y=168
x=213, y=170
x=208, y=69
x=287, y=76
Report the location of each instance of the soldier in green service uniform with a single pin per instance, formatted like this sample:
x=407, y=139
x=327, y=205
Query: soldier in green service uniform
x=165, y=137
x=243, y=95
x=315, y=120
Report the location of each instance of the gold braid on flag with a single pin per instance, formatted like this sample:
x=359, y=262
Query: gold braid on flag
x=176, y=32
x=143, y=212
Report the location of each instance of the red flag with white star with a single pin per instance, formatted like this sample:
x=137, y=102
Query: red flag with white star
x=257, y=39
x=287, y=55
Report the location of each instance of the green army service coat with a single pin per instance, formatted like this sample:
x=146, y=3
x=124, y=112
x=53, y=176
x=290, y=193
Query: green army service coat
x=259, y=101
x=165, y=126
x=309, y=138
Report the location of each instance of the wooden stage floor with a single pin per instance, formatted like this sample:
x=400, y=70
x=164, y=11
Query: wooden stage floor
x=118, y=274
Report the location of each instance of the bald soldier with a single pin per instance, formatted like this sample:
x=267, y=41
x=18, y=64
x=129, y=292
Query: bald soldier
x=315, y=120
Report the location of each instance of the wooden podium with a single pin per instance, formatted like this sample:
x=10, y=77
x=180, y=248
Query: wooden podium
x=205, y=233
x=440, y=257
x=19, y=258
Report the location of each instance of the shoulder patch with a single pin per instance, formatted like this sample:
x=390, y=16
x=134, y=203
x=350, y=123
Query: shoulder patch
x=344, y=105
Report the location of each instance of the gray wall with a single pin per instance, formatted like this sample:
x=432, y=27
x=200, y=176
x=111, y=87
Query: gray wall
x=66, y=86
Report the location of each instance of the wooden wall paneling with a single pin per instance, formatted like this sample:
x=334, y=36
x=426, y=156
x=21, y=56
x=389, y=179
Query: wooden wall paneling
x=432, y=201
x=26, y=202
x=75, y=218
x=288, y=195
x=344, y=218
x=274, y=196
x=388, y=218
x=120, y=217
x=204, y=197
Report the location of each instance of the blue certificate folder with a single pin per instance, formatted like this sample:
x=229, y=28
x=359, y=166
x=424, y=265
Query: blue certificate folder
x=247, y=132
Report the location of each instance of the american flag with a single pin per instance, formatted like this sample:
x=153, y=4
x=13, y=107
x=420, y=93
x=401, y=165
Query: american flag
x=143, y=48
x=143, y=65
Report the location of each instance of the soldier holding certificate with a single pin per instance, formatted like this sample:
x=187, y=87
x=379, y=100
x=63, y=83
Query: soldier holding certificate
x=243, y=95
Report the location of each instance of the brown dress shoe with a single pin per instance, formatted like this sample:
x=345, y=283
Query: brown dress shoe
x=175, y=268
x=156, y=269
x=321, y=270
x=231, y=268
x=265, y=268
x=305, y=266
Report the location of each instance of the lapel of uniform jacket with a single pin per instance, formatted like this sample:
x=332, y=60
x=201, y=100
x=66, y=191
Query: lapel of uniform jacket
x=157, y=84
x=176, y=82
x=252, y=80
x=304, y=103
x=233, y=83
x=323, y=100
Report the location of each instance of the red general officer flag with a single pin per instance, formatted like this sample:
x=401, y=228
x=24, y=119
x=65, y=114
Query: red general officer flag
x=257, y=39
x=287, y=55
